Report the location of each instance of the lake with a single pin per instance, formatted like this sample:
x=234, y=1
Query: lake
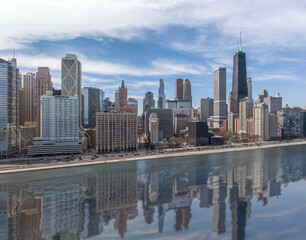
x=256, y=194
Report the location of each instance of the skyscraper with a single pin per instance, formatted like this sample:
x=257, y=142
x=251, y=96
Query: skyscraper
x=161, y=95
x=72, y=79
x=122, y=96
x=239, y=87
x=31, y=101
x=9, y=109
x=249, y=84
x=148, y=101
x=44, y=84
x=187, y=91
x=274, y=103
x=90, y=106
x=179, y=89
x=245, y=112
x=261, y=121
x=219, y=96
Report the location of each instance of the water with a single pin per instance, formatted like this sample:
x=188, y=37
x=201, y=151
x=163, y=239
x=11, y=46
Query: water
x=258, y=194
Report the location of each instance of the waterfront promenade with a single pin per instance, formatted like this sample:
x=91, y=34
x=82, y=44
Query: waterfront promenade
x=168, y=153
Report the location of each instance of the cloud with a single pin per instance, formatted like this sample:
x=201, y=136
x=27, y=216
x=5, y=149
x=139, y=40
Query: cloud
x=275, y=22
x=277, y=77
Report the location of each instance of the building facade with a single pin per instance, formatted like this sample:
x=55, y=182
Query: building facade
x=148, y=101
x=161, y=95
x=219, y=97
x=187, y=91
x=274, y=103
x=261, y=121
x=180, y=122
x=116, y=132
x=153, y=128
x=303, y=123
x=165, y=117
x=177, y=104
x=245, y=112
x=31, y=101
x=71, y=83
x=21, y=106
x=207, y=108
x=198, y=132
x=90, y=106
x=289, y=122
x=179, y=89
x=9, y=109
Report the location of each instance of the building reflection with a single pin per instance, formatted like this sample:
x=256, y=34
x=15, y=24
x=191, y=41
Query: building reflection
x=81, y=204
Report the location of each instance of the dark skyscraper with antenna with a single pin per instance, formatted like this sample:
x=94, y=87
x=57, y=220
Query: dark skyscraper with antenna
x=239, y=87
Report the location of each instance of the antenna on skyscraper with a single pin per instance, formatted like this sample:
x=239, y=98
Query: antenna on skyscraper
x=14, y=53
x=240, y=42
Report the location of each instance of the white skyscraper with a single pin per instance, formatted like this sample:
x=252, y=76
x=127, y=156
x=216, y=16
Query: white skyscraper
x=72, y=79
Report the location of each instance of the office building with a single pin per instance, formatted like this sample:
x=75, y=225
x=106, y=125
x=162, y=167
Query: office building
x=148, y=101
x=231, y=122
x=245, y=112
x=161, y=95
x=31, y=101
x=165, y=117
x=273, y=126
x=72, y=79
x=207, y=108
x=180, y=122
x=91, y=105
x=179, y=89
x=274, y=103
x=187, y=91
x=116, y=132
x=198, y=133
x=44, y=84
x=59, y=126
x=261, y=121
x=239, y=85
x=289, y=122
x=132, y=102
x=9, y=109
x=21, y=106
x=172, y=104
x=249, y=85
x=264, y=94
x=101, y=96
x=107, y=103
x=219, y=97
x=153, y=128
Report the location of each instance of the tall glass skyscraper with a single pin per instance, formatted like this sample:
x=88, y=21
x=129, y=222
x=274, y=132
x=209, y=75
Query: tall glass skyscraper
x=9, y=109
x=91, y=105
x=161, y=94
x=239, y=87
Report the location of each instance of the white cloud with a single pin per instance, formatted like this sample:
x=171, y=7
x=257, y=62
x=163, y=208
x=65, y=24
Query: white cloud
x=277, y=77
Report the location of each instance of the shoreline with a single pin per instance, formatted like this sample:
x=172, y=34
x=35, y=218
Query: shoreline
x=101, y=160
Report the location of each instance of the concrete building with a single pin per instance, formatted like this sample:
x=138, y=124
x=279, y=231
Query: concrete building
x=132, y=102
x=289, y=122
x=207, y=108
x=31, y=101
x=44, y=84
x=21, y=106
x=273, y=126
x=116, y=132
x=90, y=106
x=261, y=121
x=59, y=126
x=177, y=104
x=264, y=94
x=71, y=83
x=148, y=101
x=26, y=133
x=198, y=133
x=122, y=96
x=250, y=127
x=153, y=128
x=274, y=103
x=303, y=123
x=179, y=89
x=245, y=112
x=231, y=122
x=165, y=117
x=161, y=103
x=180, y=122
x=9, y=109
x=187, y=91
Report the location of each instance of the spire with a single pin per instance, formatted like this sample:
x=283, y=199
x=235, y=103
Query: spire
x=240, y=42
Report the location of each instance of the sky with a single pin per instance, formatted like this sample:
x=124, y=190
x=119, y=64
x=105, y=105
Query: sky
x=142, y=41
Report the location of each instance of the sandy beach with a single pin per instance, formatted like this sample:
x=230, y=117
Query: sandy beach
x=38, y=167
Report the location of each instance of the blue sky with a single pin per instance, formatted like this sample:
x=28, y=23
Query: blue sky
x=142, y=41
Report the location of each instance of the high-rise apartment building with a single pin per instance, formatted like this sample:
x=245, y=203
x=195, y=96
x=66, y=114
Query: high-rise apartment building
x=219, y=97
x=31, y=101
x=207, y=108
x=9, y=109
x=273, y=126
x=161, y=94
x=116, y=132
x=239, y=87
x=72, y=79
x=179, y=89
x=274, y=103
x=44, y=84
x=59, y=126
x=21, y=106
x=289, y=122
x=303, y=123
x=187, y=91
x=153, y=128
x=90, y=106
x=245, y=113
x=148, y=101
x=261, y=121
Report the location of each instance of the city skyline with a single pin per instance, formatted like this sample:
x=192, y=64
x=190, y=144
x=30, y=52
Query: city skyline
x=182, y=49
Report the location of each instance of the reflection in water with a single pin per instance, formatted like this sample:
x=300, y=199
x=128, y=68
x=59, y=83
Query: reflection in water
x=80, y=203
